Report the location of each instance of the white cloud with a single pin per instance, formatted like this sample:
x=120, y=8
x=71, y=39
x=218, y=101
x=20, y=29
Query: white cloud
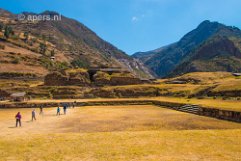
x=138, y=18
x=134, y=19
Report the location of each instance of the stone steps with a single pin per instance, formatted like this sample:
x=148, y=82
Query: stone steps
x=189, y=108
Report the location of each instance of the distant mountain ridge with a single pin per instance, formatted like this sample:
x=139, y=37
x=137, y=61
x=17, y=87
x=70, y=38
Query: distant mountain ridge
x=191, y=53
x=76, y=44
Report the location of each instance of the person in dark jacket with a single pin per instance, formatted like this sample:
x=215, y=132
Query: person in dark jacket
x=18, y=119
x=58, y=110
x=33, y=115
x=41, y=110
x=65, y=108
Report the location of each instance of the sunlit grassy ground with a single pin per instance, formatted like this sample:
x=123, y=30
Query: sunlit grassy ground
x=118, y=133
x=207, y=102
x=144, y=145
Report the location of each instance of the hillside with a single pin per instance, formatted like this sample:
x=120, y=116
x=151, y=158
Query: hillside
x=210, y=47
x=218, y=54
x=70, y=42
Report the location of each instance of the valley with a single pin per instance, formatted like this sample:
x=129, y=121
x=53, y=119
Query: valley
x=178, y=102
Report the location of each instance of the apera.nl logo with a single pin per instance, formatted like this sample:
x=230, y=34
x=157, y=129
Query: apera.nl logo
x=52, y=17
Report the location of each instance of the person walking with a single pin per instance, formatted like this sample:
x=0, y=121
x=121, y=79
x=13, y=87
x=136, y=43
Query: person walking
x=41, y=110
x=18, y=119
x=74, y=104
x=33, y=115
x=58, y=111
x=65, y=109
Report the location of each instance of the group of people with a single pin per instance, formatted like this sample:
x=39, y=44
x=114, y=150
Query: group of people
x=18, y=116
x=65, y=106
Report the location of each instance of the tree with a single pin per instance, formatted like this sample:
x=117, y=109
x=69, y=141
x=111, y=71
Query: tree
x=8, y=31
x=43, y=48
x=26, y=36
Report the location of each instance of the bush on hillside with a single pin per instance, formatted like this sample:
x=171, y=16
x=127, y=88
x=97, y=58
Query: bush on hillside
x=2, y=46
x=16, y=60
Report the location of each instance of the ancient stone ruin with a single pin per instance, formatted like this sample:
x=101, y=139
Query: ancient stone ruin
x=69, y=77
x=97, y=77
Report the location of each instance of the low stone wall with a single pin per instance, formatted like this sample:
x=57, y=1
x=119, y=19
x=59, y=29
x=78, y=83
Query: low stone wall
x=124, y=81
x=232, y=93
x=55, y=79
x=203, y=111
x=221, y=114
x=58, y=79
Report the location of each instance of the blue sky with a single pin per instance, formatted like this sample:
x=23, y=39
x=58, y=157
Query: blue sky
x=137, y=25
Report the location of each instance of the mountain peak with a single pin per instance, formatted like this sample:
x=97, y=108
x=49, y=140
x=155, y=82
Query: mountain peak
x=214, y=38
x=207, y=24
x=47, y=12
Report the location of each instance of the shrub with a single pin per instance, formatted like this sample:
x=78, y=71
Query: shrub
x=61, y=65
x=225, y=98
x=2, y=46
x=34, y=50
x=15, y=37
x=200, y=97
x=16, y=61
x=52, y=53
x=8, y=31
x=42, y=48
x=81, y=63
x=26, y=36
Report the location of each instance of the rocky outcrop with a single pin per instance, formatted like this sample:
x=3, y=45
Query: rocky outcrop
x=69, y=77
x=55, y=79
x=122, y=78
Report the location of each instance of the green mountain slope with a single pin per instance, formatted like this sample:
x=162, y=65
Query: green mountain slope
x=200, y=50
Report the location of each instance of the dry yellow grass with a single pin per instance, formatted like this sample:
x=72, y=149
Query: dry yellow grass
x=212, y=145
x=229, y=85
x=6, y=83
x=207, y=102
x=119, y=133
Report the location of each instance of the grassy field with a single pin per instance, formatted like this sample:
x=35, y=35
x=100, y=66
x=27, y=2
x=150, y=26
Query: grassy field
x=118, y=133
x=234, y=105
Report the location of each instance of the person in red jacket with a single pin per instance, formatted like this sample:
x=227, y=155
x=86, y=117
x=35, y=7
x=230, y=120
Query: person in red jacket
x=18, y=119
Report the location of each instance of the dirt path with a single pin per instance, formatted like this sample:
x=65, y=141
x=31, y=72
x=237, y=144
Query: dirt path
x=45, y=123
